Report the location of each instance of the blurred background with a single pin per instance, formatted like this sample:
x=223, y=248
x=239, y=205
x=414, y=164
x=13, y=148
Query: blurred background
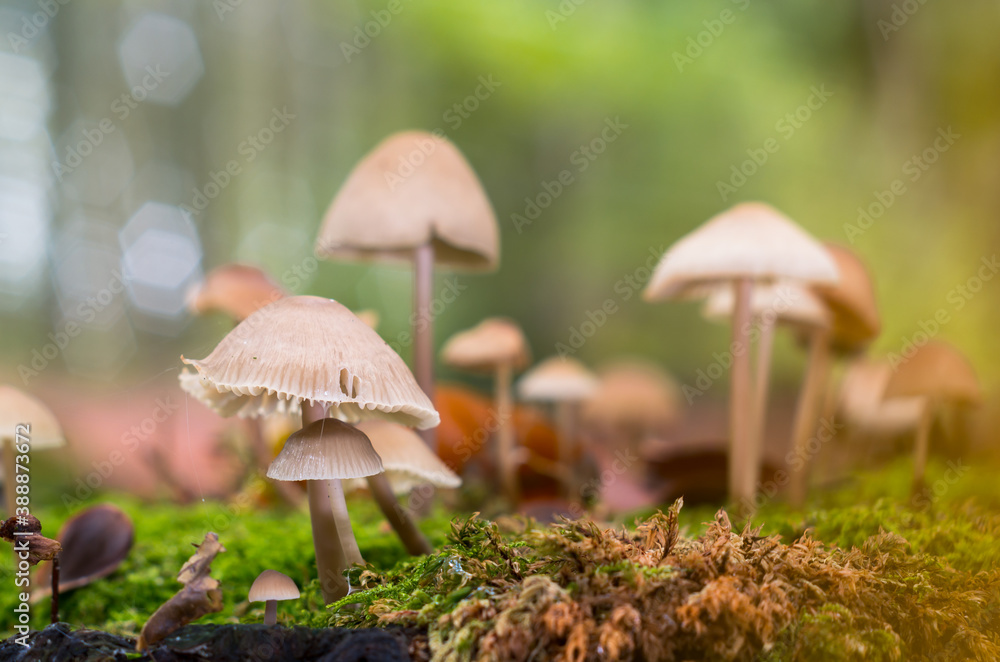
x=143, y=143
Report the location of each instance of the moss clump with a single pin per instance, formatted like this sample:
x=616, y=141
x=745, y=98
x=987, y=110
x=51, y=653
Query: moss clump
x=577, y=591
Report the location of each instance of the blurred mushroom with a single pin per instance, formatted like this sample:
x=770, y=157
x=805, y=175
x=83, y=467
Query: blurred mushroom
x=634, y=399
x=435, y=212
x=940, y=374
x=749, y=243
x=790, y=304
x=494, y=345
x=26, y=425
x=565, y=382
x=408, y=463
x=236, y=290
x=95, y=541
x=269, y=587
x=312, y=354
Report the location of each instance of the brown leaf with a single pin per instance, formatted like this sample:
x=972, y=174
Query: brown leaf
x=201, y=595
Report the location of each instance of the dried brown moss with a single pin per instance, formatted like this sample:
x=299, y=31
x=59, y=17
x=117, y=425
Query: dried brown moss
x=579, y=592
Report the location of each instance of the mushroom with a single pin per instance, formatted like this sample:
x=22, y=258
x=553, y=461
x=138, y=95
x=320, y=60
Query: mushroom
x=790, y=304
x=495, y=345
x=436, y=213
x=749, y=243
x=312, y=354
x=269, y=587
x=24, y=422
x=862, y=404
x=565, y=382
x=854, y=324
x=634, y=399
x=939, y=374
x=408, y=463
x=236, y=290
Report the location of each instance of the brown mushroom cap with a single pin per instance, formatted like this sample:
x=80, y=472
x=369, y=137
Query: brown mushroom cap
x=482, y=348
x=308, y=348
x=407, y=460
x=273, y=585
x=936, y=370
x=558, y=379
x=790, y=303
x=751, y=240
x=633, y=394
x=326, y=449
x=236, y=290
x=412, y=189
x=863, y=404
x=17, y=407
x=851, y=300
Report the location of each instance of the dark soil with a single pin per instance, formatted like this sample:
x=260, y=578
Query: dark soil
x=225, y=643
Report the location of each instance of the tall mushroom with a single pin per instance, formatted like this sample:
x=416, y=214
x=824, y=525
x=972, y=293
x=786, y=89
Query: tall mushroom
x=495, y=345
x=855, y=323
x=414, y=198
x=939, y=374
x=789, y=304
x=311, y=354
x=24, y=420
x=565, y=382
x=749, y=243
x=408, y=463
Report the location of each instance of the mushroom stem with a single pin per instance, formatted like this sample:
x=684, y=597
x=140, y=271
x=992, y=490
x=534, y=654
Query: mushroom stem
x=423, y=327
x=328, y=538
x=755, y=452
x=54, y=609
x=740, y=425
x=339, y=506
x=270, y=612
x=921, y=448
x=9, y=491
x=806, y=413
x=565, y=443
x=505, y=432
x=414, y=541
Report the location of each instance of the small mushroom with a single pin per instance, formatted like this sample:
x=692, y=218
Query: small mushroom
x=748, y=244
x=26, y=425
x=269, y=587
x=495, y=345
x=236, y=290
x=635, y=399
x=565, y=382
x=435, y=213
x=408, y=463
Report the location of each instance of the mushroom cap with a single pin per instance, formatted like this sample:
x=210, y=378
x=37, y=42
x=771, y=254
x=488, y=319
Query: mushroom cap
x=17, y=407
x=369, y=317
x=326, y=449
x=558, y=379
x=273, y=585
x=936, y=370
x=482, y=348
x=862, y=401
x=407, y=460
x=308, y=348
x=633, y=394
x=790, y=302
x=412, y=189
x=234, y=289
x=851, y=301
x=749, y=240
